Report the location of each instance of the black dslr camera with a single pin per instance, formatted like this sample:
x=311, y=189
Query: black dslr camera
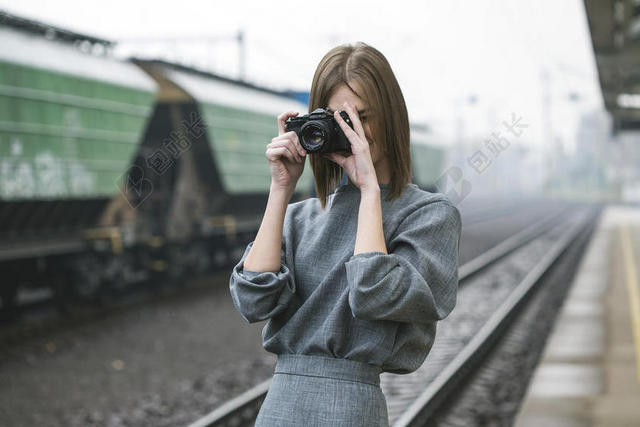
x=319, y=132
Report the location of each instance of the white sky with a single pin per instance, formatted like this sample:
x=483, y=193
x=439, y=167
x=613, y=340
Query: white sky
x=441, y=51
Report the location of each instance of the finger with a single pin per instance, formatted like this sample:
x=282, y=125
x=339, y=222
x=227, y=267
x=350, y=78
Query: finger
x=289, y=139
x=276, y=143
x=275, y=153
x=282, y=118
x=288, y=144
x=296, y=142
x=350, y=133
x=355, y=119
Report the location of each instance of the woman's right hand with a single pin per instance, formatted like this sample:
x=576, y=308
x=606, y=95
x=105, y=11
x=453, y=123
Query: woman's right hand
x=285, y=155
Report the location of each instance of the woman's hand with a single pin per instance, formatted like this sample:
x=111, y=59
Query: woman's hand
x=286, y=156
x=359, y=166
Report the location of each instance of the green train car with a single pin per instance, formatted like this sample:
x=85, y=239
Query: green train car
x=105, y=177
x=225, y=126
x=114, y=173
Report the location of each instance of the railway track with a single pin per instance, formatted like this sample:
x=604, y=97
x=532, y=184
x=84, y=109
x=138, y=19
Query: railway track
x=493, y=287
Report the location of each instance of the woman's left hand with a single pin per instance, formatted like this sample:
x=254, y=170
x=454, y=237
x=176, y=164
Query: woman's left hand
x=358, y=166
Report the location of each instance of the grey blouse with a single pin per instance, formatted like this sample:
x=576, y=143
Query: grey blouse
x=372, y=307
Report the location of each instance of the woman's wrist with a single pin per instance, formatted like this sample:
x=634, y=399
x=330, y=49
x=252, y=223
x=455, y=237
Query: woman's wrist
x=370, y=235
x=371, y=186
x=281, y=192
x=370, y=191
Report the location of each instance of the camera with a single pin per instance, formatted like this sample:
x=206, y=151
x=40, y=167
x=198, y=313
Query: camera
x=319, y=132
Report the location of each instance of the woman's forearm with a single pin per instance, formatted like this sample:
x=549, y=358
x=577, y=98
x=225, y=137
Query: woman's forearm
x=264, y=254
x=370, y=236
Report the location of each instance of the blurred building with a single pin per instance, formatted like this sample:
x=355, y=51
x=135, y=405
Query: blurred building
x=615, y=34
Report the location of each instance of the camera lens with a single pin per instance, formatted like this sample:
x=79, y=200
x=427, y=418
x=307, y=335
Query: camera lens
x=314, y=135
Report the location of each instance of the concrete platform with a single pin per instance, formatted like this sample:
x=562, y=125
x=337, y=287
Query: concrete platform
x=589, y=374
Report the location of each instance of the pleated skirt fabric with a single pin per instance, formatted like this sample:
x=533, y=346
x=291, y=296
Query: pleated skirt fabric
x=317, y=391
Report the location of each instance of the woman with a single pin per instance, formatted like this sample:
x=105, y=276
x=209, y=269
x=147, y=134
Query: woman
x=353, y=281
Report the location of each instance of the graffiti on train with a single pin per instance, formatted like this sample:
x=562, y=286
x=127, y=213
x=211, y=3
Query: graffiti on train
x=42, y=175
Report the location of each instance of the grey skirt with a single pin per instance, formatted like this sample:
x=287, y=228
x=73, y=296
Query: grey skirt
x=315, y=391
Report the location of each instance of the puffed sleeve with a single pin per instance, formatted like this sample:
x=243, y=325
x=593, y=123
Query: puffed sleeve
x=261, y=295
x=417, y=281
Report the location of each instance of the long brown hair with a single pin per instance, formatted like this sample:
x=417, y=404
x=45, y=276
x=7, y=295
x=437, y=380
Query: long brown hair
x=362, y=66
